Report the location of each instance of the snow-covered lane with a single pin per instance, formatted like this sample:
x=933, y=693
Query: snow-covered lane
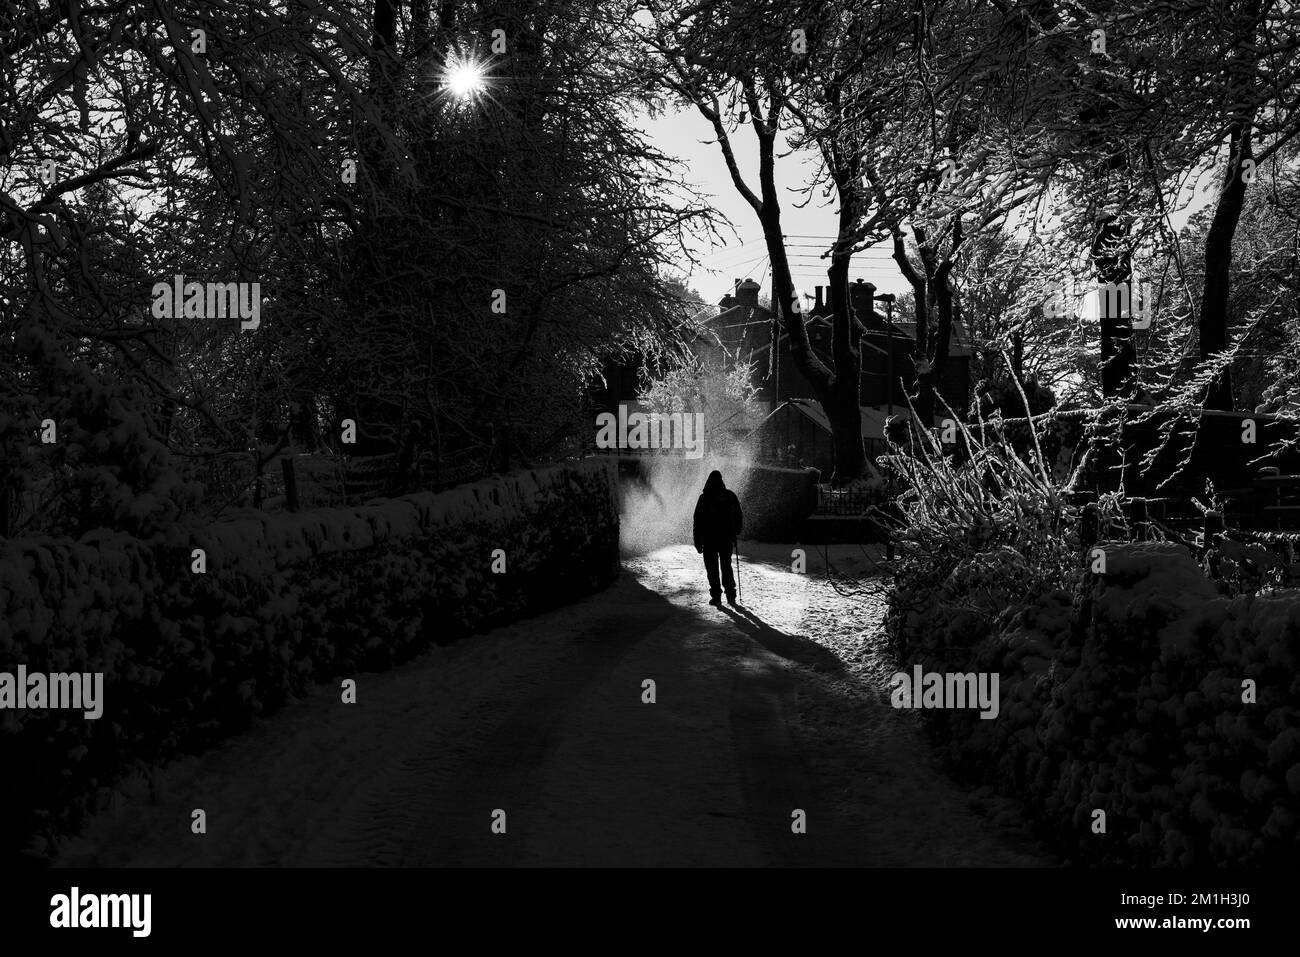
x=777, y=706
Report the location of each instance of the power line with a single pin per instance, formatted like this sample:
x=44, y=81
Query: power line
x=739, y=253
x=873, y=250
x=748, y=242
x=820, y=236
x=741, y=256
x=739, y=267
x=827, y=246
x=736, y=267
x=870, y=250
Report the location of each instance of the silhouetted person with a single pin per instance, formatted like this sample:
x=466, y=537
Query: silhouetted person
x=717, y=523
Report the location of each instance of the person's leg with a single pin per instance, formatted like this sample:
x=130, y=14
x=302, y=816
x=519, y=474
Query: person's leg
x=728, y=575
x=711, y=569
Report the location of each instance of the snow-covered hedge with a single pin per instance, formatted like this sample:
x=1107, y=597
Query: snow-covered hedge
x=287, y=600
x=1125, y=694
x=777, y=501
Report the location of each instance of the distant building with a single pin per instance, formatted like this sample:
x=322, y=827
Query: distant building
x=742, y=324
x=747, y=329
x=795, y=429
x=797, y=433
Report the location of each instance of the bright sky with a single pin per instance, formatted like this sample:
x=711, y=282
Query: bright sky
x=809, y=230
x=809, y=223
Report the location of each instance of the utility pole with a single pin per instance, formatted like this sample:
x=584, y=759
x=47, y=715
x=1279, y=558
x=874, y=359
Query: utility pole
x=774, y=354
x=888, y=299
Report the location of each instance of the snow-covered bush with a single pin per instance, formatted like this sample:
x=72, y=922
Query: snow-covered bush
x=777, y=501
x=980, y=532
x=106, y=468
x=287, y=600
x=1124, y=693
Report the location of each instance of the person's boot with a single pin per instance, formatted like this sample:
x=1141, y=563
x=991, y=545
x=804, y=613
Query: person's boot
x=731, y=598
x=716, y=600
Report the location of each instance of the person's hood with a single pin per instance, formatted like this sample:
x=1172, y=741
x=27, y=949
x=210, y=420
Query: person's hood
x=713, y=485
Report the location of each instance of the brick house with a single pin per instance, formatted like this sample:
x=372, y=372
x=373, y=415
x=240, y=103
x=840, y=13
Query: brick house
x=747, y=329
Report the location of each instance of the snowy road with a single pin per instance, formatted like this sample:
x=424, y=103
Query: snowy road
x=776, y=707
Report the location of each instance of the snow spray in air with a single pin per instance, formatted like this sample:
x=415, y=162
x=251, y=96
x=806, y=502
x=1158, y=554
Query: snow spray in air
x=657, y=501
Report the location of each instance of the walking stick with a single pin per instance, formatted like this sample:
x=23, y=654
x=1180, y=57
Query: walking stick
x=739, y=594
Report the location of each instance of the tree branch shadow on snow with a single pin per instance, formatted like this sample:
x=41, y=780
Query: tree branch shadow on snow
x=794, y=648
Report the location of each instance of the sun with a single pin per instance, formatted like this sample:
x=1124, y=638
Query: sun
x=464, y=77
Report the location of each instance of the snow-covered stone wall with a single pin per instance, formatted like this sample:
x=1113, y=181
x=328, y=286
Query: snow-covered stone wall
x=1144, y=694
x=286, y=600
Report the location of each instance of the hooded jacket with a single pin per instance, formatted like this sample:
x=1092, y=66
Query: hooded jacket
x=717, y=515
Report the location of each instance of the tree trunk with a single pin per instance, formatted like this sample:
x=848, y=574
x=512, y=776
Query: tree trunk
x=1213, y=321
x=836, y=391
x=783, y=298
x=942, y=334
x=1113, y=267
x=845, y=411
x=1112, y=264
x=923, y=398
x=943, y=297
x=932, y=293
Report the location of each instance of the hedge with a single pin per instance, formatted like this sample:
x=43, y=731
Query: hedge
x=1125, y=694
x=287, y=600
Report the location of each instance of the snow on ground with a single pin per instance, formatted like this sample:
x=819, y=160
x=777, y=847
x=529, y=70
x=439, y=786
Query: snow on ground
x=825, y=629
x=778, y=706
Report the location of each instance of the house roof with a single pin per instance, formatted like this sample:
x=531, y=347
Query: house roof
x=733, y=320
x=959, y=345
x=741, y=315
x=873, y=419
x=730, y=326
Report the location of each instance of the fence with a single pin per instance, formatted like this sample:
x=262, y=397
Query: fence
x=288, y=483
x=1252, y=543
x=844, y=501
x=297, y=481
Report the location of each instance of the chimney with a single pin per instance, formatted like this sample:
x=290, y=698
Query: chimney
x=860, y=298
x=820, y=306
x=747, y=293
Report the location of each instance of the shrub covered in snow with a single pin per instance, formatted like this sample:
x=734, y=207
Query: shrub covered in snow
x=979, y=530
x=287, y=600
x=1124, y=692
x=777, y=501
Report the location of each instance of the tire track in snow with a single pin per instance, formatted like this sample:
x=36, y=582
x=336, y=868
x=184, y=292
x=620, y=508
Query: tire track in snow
x=435, y=809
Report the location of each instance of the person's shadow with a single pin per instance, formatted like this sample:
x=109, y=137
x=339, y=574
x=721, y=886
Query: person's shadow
x=791, y=647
